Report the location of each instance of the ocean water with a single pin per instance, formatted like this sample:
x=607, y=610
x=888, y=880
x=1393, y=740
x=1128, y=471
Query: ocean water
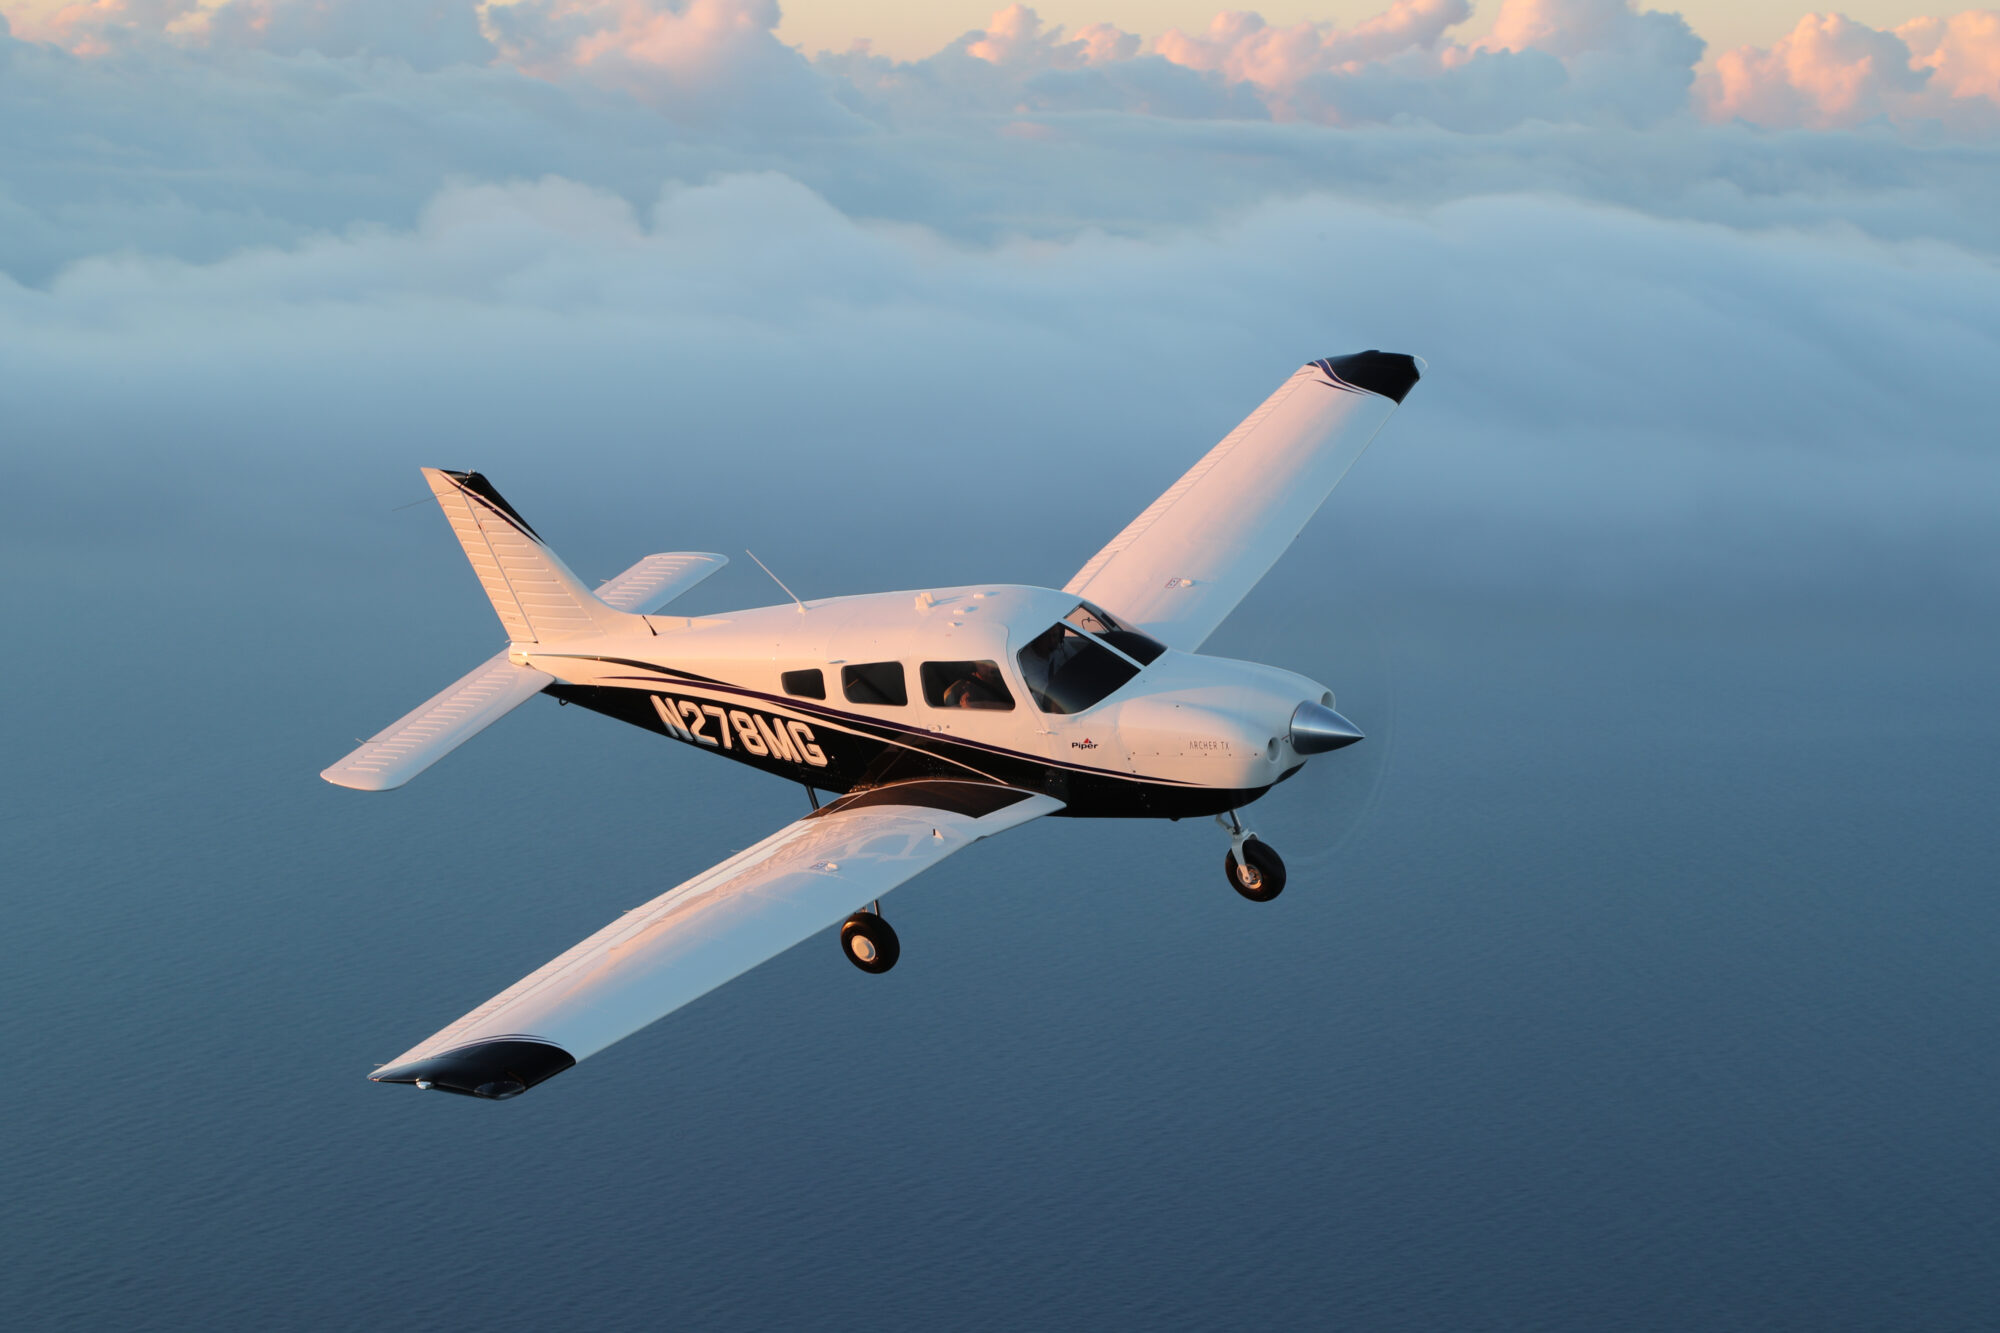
x=1637, y=972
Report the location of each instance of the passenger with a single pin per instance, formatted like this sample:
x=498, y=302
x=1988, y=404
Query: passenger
x=982, y=689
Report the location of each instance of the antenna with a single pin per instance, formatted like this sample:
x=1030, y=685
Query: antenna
x=775, y=579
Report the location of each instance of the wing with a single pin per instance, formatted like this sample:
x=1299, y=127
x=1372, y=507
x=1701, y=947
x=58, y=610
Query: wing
x=494, y=688
x=715, y=927
x=1180, y=568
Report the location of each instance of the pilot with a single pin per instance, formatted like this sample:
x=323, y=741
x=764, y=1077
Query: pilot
x=982, y=689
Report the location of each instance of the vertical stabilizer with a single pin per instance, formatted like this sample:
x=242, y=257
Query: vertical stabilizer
x=537, y=597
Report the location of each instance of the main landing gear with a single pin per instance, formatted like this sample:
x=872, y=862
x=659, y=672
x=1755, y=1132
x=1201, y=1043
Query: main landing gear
x=1254, y=870
x=868, y=941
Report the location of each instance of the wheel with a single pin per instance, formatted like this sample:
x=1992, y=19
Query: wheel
x=1262, y=879
x=869, y=942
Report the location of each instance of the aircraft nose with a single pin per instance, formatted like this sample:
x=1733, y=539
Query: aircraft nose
x=1317, y=729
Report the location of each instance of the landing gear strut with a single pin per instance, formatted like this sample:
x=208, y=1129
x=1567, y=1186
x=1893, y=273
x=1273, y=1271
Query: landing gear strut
x=1254, y=870
x=868, y=941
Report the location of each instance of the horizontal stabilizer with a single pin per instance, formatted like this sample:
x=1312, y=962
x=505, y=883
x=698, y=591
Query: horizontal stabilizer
x=466, y=707
x=658, y=579
x=439, y=725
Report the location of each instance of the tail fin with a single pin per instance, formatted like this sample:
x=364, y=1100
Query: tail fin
x=534, y=592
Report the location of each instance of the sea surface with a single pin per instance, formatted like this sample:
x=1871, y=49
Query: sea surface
x=1638, y=972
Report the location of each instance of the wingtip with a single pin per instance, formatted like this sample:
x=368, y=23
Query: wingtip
x=492, y=1070
x=1390, y=375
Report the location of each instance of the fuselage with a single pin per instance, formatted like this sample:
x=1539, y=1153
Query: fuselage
x=1015, y=685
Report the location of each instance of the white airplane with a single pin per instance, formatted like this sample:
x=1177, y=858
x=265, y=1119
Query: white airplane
x=940, y=716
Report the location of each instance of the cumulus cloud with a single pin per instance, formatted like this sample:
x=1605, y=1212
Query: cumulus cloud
x=1554, y=60
x=1831, y=72
x=1962, y=52
x=718, y=62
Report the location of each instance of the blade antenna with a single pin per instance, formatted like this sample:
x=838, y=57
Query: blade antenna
x=775, y=579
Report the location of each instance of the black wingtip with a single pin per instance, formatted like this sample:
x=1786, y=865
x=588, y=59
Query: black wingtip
x=1390, y=374
x=495, y=1070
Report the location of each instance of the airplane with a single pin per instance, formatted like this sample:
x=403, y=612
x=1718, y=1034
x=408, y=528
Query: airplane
x=934, y=718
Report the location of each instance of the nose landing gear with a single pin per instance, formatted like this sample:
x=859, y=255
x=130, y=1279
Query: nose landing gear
x=869, y=942
x=1254, y=870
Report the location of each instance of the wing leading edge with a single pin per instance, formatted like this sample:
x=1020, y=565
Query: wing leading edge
x=715, y=927
x=1180, y=568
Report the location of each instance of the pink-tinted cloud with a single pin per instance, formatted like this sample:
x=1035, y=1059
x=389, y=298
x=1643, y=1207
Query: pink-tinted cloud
x=715, y=62
x=720, y=63
x=1961, y=52
x=1831, y=72
x=1244, y=48
x=1016, y=36
x=1828, y=71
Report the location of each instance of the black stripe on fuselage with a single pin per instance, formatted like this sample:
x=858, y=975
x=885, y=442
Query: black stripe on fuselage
x=884, y=727
x=859, y=760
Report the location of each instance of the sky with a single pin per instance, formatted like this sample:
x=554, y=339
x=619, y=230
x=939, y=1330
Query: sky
x=1636, y=972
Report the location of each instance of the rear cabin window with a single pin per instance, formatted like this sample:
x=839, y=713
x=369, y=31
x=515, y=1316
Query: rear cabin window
x=1135, y=644
x=808, y=684
x=1068, y=672
x=965, y=685
x=874, y=683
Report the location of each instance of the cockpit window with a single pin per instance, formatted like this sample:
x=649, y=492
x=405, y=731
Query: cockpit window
x=965, y=685
x=1068, y=672
x=1135, y=644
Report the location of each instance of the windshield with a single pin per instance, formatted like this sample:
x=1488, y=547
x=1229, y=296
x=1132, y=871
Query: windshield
x=1135, y=644
x=1068, y=672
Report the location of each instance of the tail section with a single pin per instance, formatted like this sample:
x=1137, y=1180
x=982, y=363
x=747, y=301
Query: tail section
x=534, y=592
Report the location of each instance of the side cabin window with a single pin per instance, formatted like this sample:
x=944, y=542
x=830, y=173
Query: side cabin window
x=1138, y=645
x=807, y=684
x=1068, y=672
x=965, y=685
x=874, y=683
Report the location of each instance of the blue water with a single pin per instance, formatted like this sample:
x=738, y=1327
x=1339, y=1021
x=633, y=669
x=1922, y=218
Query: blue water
x=1636, y=973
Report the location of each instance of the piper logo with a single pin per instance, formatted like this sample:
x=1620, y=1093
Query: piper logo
x=737, y=728
x=1085, y=744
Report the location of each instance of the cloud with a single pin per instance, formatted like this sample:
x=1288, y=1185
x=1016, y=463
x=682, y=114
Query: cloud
x=1961, y=52
x=428, y=34
x=719, y=65
x=1789, y=403
x=714, y=62
x=1828, y=71
x=1556, y=60
x=1831, y=72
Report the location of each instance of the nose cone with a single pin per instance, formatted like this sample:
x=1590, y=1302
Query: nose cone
x=1317, y=729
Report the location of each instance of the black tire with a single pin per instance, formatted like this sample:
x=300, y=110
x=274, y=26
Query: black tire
x=1263, y=879
x=870, y=943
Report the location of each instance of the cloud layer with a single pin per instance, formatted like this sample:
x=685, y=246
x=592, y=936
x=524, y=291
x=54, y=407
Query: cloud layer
x=719, y=62
x=1732, y=304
